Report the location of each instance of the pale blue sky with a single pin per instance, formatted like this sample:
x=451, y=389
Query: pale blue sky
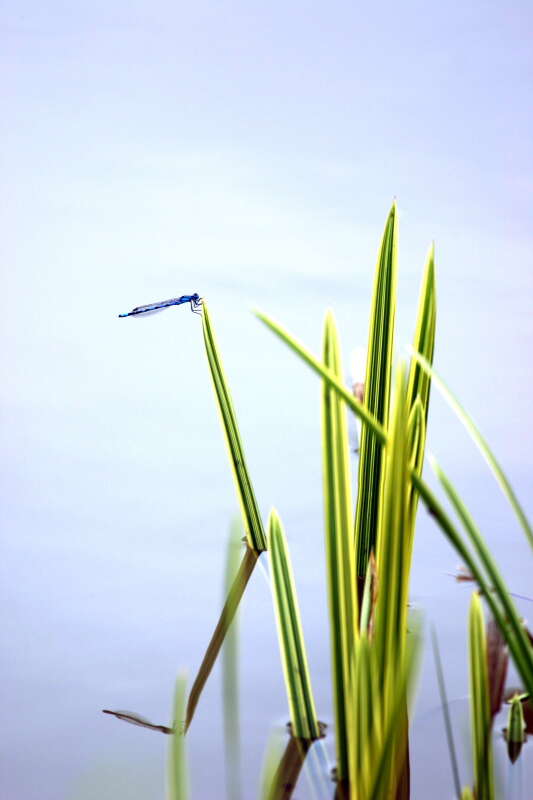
x=250, y=152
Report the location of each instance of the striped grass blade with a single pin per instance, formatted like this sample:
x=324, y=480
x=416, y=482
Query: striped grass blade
x=339, y=545
x=480, y=703
x=290, y=636
x=252, y=518
x=419, y=382
x=377, y=393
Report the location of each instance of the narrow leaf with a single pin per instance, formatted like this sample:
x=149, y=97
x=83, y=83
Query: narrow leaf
x=480, y=441
x=228, y=612
x=424, y=340
x=516, y=638
x=250, y=510
x=377, y=393
x=480, y=704
x=339, y=544
x=290, y=636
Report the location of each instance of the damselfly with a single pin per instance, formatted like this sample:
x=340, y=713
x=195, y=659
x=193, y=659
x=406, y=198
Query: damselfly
x=194, y=299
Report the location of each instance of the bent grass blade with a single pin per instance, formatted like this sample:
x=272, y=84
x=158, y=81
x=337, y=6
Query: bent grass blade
x=507, y=615
x=135, y=719
x=228, y=613
x=255, y=534
x=481, y=443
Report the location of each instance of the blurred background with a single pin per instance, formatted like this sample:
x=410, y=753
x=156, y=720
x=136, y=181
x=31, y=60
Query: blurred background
x=249, y=152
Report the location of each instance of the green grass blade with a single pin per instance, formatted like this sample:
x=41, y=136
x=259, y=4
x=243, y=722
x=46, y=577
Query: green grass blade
x=250, y=510
x=481, y=443
x=393, y=565
x=290, y=635
x=339, y=544
x=480, y=704
x=521, y=648
x=377, y=393
x=419, y=383
x=394, y=542
x=230, y=673
x=178, y=779
x=416, y=449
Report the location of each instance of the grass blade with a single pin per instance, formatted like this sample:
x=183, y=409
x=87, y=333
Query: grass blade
x=377, y=393
x=416, y=450
x=518, y=641
x=393, y=564
x=252, y=518
x=290, y=635
x=419, y=383
x=178, y=779
x=481, y=443
x=480, y=703
x=394, y=543
x=228, y=612
x=339, y=545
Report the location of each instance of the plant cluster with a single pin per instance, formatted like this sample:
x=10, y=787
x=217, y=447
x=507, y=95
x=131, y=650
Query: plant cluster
x=375, y=638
